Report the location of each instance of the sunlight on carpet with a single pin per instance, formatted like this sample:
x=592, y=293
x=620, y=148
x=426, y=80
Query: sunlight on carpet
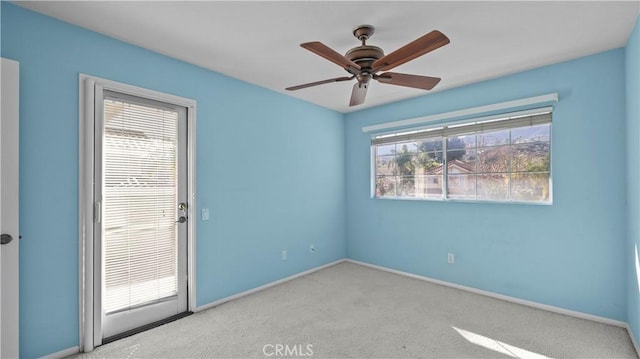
x=498, y=346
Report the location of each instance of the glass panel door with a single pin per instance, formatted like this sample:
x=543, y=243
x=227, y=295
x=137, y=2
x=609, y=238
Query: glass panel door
x=143, y=198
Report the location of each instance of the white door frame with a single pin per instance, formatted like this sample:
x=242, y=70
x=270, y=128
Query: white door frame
x=9, y=167
x=87, y=209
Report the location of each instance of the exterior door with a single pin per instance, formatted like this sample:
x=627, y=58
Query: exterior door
x=141, y=203
x=9, y=210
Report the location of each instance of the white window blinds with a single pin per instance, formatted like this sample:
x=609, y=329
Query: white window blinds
x=139, y=203
x=456, y=129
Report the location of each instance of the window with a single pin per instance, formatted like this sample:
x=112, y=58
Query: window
x=504, y=158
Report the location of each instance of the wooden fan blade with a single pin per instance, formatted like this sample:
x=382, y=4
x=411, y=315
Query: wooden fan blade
x=358, y=93
x=415, y=81
x=310, y=84
x=328, y=53
x=427, y=43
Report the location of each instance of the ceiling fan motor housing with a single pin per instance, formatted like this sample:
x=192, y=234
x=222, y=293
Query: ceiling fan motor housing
x=365, y=55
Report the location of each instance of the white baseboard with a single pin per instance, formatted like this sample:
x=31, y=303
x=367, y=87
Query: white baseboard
x=633, y=340
x=63, y=353
x=507, y=298
x=265, y=286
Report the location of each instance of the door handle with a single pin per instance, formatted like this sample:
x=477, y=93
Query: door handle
x=5, y=239
x=183, y=208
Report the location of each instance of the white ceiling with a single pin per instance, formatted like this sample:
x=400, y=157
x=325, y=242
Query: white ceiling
x=258, y=41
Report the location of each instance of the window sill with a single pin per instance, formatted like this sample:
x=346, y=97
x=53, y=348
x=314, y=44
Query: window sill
x=455, y=200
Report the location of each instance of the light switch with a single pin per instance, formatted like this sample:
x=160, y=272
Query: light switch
x=205, y=214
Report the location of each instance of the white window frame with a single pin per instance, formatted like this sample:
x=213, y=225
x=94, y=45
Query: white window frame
x=442, y=127
x=87, y=85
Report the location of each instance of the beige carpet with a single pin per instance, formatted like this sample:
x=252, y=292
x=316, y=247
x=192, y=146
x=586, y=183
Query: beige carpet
x=351, y=311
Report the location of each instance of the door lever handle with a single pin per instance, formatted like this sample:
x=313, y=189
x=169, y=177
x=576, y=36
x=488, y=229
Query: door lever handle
x=5, y=238
x=182, y=219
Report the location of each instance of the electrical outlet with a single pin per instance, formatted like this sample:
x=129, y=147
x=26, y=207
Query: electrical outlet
x=451, y=258
x=312, y=248
x=284, y=255
x=205, y=214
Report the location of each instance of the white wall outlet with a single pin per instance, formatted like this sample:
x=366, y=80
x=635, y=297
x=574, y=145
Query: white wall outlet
x=205, y=214
x=312, y=248
x=451, y=258
x=284, y=255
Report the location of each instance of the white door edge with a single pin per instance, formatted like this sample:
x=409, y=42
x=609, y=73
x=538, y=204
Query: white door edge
x=9, y=301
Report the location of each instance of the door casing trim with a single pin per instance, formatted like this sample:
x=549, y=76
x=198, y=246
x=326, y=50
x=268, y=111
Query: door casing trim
x=86, y=210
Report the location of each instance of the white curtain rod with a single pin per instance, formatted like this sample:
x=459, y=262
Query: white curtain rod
x=552, y=97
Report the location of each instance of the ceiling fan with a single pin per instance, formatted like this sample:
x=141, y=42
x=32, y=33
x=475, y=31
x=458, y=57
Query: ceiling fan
x=365, y=61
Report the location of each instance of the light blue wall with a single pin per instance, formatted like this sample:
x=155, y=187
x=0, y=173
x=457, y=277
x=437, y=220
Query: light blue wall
x=632, y=63
x=569, y=254
x=272, y=171
x=269, y=167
